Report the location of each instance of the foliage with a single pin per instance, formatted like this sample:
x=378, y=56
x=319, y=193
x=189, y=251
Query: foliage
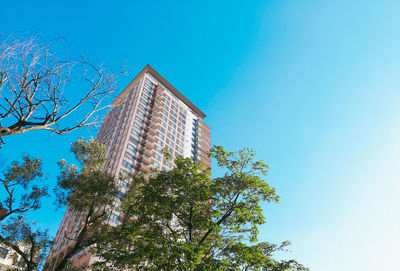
x=34, y=94
x=79, y=188
x=183, y=219
x=31, y=244
x=89, y=191
x=23, y=186
x=86, y=188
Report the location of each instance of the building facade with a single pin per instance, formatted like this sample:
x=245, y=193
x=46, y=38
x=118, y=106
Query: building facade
x=150, y=115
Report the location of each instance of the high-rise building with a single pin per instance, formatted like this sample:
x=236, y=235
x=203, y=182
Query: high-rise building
x=147, y=117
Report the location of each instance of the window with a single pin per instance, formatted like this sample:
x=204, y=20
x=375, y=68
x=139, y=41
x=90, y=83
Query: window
x=133, y=140
x=146, y=96
x=77, y=224
x=147, y=91
x=121, y=194
x=3, y=252
x=136, y=133
x=148, y=84
x=139, y=120
x=129, y=156
x=180, y=151
x=115, y=218
x=141, y=106
x=137, y=126
x=180, y=136
x=144, y=102
x=127, y=165
x=132, y=148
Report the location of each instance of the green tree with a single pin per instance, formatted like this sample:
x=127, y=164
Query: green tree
x=34, y=78
x=31, y=244
x=89, y=191
x=86, y=188
x=183, y=219
x=24, y=187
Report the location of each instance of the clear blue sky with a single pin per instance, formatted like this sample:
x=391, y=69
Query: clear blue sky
x=313, y=86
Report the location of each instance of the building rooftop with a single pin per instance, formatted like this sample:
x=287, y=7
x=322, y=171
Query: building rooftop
x=162, y=80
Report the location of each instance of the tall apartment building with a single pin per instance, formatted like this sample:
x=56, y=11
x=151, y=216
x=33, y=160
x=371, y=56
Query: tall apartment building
x=147, y=117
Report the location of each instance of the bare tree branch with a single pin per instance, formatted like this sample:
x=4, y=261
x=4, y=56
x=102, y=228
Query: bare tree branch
x=34, y=93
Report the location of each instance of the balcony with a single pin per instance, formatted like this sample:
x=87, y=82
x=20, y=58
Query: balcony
x=158, y=103
x=144, y=169
x=157, y=107
x=148, y=153
x=159, y=94
x=153, y=125
x=151, y=130
x=159, y=89
x=157, y=114
x=145, y=160
x=149, y=145
x=159, y=99
x=154, y=118
x=152, y=139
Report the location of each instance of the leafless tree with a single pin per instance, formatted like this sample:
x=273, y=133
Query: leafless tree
x=39, y=90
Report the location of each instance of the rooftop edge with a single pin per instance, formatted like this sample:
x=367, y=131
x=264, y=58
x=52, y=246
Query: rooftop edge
x=162, y=80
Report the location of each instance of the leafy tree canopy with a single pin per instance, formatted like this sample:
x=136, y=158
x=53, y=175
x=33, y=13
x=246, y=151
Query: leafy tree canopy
x=86, y=188
x=183, y=219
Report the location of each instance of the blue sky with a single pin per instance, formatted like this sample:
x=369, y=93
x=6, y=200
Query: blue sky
x=313, y=86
